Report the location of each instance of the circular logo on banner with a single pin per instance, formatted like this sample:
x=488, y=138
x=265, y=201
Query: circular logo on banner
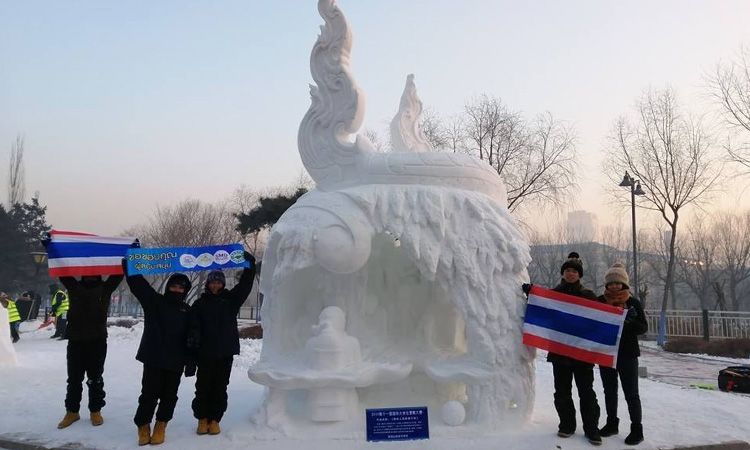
x=237, y=256
x=205, y=259
x=221, y=257
x=187, y=261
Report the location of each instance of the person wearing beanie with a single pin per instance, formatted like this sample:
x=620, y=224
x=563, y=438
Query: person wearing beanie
x=214, y=340
x=617, y=293
x=163, y=351
x=566, y=369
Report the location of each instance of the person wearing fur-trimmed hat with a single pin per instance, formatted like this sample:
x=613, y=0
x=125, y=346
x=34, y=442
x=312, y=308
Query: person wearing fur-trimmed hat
x=566, y=369
x=215, y=340
x=617, y=293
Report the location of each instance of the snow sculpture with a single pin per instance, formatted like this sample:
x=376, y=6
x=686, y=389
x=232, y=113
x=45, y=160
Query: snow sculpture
x=406, y=265
x=7, y=352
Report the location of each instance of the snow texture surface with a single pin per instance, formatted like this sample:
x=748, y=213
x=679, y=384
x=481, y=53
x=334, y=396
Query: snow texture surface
x=32, y=394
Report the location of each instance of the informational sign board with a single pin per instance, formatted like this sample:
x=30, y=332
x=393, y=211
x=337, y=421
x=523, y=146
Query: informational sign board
x=397, y=424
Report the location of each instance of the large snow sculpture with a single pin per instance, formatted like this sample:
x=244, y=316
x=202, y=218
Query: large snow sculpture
x=414, y=250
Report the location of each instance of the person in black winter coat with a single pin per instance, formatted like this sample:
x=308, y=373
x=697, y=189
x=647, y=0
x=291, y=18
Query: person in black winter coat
x=87, y=343
x=163, y=351
x=616, y=284
x=215, y=340
x=566, y=369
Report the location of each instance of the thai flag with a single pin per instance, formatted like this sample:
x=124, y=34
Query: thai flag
x=582, y=329
x=71, y=254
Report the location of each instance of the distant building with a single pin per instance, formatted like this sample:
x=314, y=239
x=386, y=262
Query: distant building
x=581, y=226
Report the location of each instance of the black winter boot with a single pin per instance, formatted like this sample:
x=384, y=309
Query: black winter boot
x=636, y=434
x=594, y=437
x=610, y=428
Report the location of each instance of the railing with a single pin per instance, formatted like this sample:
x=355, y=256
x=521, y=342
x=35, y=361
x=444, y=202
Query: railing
x=721, y=324
x=133, y=309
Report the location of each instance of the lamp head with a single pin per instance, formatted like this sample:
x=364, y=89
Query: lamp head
x=626, y=180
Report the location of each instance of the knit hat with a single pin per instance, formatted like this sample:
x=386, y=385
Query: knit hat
x=617, y=274
x=179, y=279
x=216, y=275
x=573, y=262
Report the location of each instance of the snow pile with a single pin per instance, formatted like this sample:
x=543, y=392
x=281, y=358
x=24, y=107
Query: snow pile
x=36, y=390
x=7, y=352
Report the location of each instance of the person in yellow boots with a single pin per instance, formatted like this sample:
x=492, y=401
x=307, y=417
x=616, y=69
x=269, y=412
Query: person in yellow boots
x=89, y=301
x=214, y=338
x=162, y=351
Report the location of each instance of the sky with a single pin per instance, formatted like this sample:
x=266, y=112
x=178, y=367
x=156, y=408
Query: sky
x=126, y=106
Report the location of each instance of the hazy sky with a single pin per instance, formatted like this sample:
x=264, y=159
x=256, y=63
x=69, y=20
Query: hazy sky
x=130, y=105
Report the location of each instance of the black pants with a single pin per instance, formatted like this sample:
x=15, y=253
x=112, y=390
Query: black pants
x=211, y=384
x=157, y=386
x=14, y=331
x=584, y=376
x=627, y=368
x=86, y=358
x=60, y=325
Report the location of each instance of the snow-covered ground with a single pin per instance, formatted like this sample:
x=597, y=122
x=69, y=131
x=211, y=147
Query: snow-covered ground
x=32, y=397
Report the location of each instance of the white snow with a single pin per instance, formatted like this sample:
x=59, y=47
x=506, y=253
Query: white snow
x=7, y=352
x=33, y=392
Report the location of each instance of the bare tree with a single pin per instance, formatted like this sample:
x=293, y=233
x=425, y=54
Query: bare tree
x=696, y=260
x=673, y=158
x=190, y=223
x=455, y=135
x=545, y=169
x=16, y=175
x=433, y=128
x=535, y=160
x=729, y=85
x=733, y=235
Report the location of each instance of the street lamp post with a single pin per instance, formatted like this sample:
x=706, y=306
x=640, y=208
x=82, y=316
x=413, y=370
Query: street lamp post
x=635, y=189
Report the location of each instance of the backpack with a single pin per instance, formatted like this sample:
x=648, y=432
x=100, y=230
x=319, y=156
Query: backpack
x=735, y=379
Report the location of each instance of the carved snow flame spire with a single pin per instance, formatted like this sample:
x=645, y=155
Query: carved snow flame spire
x=338, y=104
x=406, y=134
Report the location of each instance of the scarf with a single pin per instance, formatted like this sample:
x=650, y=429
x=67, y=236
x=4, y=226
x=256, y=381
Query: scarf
x=616, y=298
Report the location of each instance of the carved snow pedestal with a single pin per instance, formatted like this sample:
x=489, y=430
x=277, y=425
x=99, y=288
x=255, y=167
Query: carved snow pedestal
x=396, y=281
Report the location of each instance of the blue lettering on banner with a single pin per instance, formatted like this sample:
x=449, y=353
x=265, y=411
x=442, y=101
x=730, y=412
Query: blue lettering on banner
x=397, y=424
x=150, y=261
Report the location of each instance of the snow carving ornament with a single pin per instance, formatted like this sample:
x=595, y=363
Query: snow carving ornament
x=395, y=282
x=7, y=352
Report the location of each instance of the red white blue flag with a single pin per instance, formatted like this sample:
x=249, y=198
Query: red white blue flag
x=72, y=254
x=582, y=329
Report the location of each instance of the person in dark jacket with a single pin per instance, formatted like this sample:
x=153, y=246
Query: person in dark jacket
x=87, y=343
x=566, y=369
x=215, y=340
x=617, y=293
x=162, y=351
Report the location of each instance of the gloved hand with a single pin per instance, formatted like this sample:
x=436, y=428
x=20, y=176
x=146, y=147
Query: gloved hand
x=526, y=287
x=124, y=263
x=250, y=258
x=190, y=369
x=631, y=315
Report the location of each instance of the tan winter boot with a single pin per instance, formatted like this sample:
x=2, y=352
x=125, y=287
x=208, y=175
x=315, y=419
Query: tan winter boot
x=69, y=418
x=159, y=433
x=213, y=427
x=144, y=434
x=96, y=418
x=202, y=426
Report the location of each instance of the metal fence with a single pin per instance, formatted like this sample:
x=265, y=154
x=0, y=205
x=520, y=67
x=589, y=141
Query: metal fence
x=131, y=308
x=721, y=324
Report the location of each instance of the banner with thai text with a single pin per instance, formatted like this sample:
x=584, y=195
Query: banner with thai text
x=151, y=261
